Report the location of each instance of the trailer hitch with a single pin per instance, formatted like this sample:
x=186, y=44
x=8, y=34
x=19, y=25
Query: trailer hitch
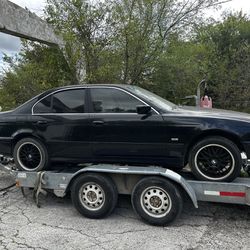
x=6, y=160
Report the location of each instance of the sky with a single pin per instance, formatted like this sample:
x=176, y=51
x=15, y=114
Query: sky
x=11, y=45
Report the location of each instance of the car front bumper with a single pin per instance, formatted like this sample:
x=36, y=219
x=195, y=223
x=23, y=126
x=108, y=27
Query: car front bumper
x=246, y=162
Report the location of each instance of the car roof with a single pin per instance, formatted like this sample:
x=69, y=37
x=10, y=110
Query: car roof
x=83, y=85
x=96, y=85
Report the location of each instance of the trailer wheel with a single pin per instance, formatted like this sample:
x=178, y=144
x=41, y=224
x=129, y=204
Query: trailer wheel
x=94, y=195
x=157, y=200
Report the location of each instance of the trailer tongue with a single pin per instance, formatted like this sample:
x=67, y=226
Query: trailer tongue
x=156, y=193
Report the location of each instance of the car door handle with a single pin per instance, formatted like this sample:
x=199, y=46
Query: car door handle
x=41, y=122
x=98, y=122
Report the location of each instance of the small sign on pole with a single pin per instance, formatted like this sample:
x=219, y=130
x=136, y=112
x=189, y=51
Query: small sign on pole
x=206, y=102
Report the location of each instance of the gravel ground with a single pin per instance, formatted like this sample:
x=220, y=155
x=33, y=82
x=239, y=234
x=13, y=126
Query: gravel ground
x=57, y=225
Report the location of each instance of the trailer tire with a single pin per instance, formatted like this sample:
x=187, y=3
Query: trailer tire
x=157, y=200
x=27, y=148
x=94, y=195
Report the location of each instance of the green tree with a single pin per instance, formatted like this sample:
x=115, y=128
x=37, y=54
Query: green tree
x=219, y=52
x=120, y=40
x=228, y=62
x=180, y=69
x=143, y=28
x=141, y=42
x=36, y=68
x=86, y=30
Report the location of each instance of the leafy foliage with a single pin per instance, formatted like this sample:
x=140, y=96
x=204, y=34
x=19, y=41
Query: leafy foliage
x=218, y=52
x=162, y=45
x=228, y=62
x=37, y=68
x=131, y=34
x=179, y=69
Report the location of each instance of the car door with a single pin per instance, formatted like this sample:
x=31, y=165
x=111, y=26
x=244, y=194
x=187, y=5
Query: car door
x=62, y=121
x=118, y=132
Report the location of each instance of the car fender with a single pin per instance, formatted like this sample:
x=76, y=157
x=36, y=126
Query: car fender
x=22, y=132
x=231, y=135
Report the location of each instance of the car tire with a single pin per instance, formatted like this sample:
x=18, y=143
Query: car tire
x=157, y=201
x=30, y=155
x=94, y=195
x=215, y=159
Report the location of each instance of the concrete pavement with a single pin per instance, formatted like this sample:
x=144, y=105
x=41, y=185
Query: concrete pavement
x=57, y=225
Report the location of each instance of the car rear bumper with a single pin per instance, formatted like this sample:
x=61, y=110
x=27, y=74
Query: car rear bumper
x=6, y=146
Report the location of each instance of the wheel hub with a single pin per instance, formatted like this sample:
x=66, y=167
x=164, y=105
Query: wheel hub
x=214, y=162
x=156, y=202
x=91, y=196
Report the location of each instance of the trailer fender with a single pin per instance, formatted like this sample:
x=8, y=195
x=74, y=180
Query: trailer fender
x=144, y=171
x=183, y=183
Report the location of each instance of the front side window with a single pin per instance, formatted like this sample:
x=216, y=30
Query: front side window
x=110, y=100
x=68, y=101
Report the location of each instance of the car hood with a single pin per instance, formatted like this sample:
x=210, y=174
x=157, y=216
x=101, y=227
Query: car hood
x=212, y=113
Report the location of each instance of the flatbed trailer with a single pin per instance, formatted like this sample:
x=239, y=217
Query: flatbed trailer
x=156, y=193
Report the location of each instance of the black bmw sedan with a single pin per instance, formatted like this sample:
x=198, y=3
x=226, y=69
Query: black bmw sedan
x=123, y=124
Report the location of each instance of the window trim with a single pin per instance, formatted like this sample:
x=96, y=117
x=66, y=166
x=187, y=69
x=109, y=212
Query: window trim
x=88, y=99
x=119, y=89
x=49, y=95
x=53, y=93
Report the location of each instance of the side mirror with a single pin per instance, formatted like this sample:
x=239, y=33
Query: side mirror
x=143, y=110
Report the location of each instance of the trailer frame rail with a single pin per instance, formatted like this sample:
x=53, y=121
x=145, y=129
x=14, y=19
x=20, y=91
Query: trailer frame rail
x=126, y=179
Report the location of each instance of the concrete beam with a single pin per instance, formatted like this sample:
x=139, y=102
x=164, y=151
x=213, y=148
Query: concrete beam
x=22, y=23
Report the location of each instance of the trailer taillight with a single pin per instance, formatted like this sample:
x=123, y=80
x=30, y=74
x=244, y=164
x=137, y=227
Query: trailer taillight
x=223, y=193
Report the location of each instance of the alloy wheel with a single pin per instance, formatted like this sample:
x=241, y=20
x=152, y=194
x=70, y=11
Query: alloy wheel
x=29, y=156
x=214, y=161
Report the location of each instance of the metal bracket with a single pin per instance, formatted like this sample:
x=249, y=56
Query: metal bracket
x=23, y=192
x=38, y=188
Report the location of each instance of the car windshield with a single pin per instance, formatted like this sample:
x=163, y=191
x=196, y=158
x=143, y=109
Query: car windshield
x=152, y=98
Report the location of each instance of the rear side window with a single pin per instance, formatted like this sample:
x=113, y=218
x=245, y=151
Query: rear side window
x=68, y=101
x=44, y=106
x=110, y=100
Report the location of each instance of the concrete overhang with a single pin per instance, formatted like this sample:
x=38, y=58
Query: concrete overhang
x=20, y=22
